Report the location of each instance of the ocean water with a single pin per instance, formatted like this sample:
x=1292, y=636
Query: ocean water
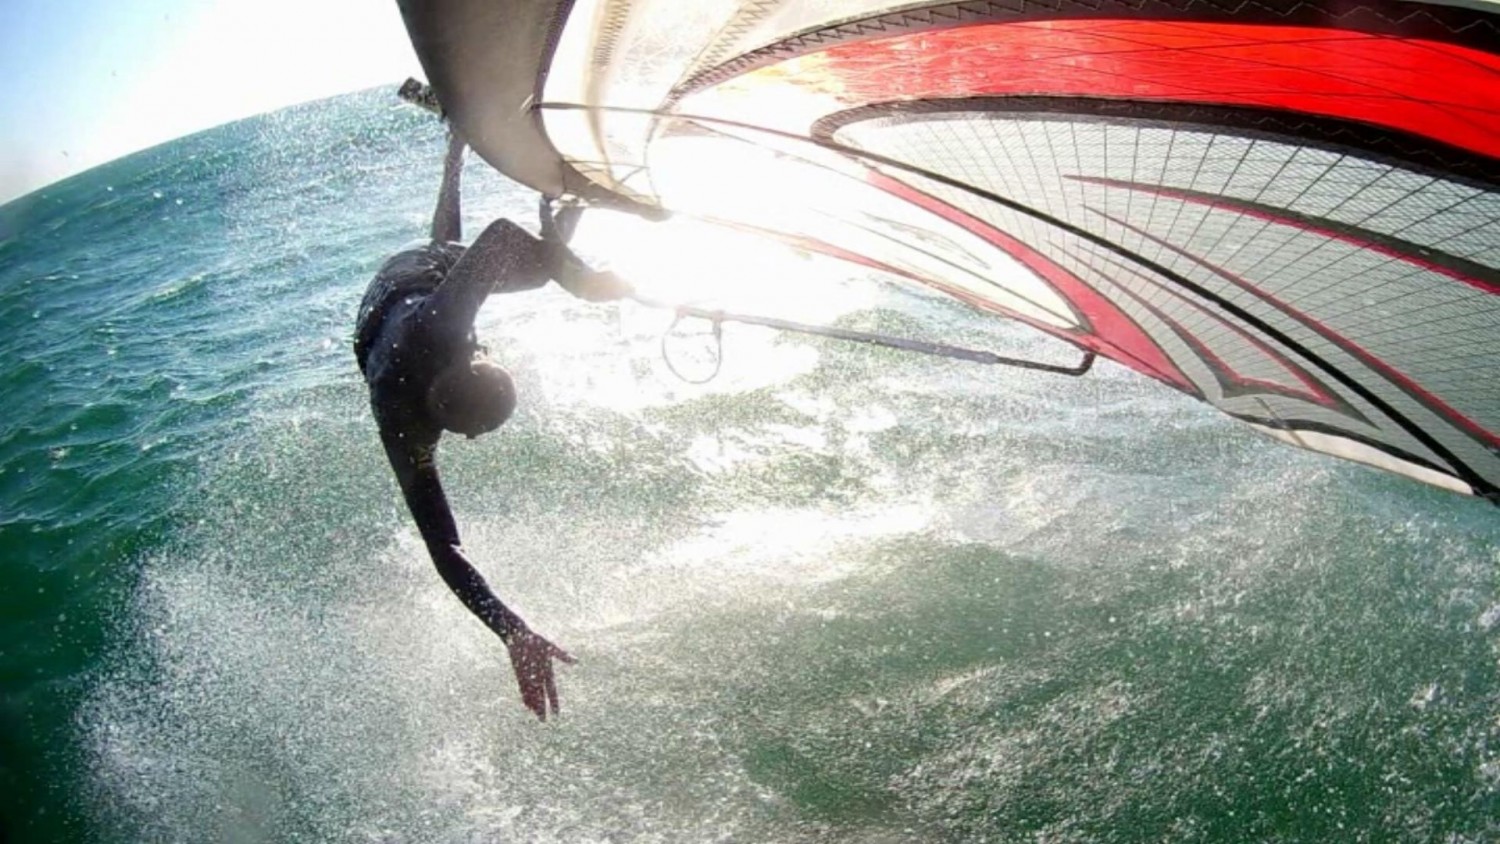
x=836, y=594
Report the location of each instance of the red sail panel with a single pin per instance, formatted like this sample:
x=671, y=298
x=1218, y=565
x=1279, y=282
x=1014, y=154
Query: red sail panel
x=1446, y=92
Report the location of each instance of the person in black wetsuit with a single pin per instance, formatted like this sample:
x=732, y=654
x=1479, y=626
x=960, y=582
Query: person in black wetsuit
x=415, y=344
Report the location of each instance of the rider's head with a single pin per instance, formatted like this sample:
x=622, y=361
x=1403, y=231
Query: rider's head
x=472, y=397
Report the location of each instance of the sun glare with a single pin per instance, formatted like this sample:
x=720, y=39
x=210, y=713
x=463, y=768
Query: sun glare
x=687, y=261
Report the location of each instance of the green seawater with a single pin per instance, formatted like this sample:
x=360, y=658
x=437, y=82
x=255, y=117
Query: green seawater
x=836, y=595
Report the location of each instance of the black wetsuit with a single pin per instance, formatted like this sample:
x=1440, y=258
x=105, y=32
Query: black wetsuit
x=414, y=323
x=416, y=320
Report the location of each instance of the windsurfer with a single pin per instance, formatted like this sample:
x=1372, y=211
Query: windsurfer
x=427, y=374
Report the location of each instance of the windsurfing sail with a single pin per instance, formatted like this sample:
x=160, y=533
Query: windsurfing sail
x=1289, y=209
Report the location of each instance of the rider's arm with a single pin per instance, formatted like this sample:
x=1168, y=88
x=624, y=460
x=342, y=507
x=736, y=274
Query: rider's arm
x=567, y=268
x=417, y=472
x=447, y=218
x=578, y=278
x=558, y=225
x=559, y=261
x=504, y=258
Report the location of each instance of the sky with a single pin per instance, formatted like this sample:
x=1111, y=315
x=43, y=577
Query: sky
x=83, y=82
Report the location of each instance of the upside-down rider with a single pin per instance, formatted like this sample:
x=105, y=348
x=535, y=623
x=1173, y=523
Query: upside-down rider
x=415, y=344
